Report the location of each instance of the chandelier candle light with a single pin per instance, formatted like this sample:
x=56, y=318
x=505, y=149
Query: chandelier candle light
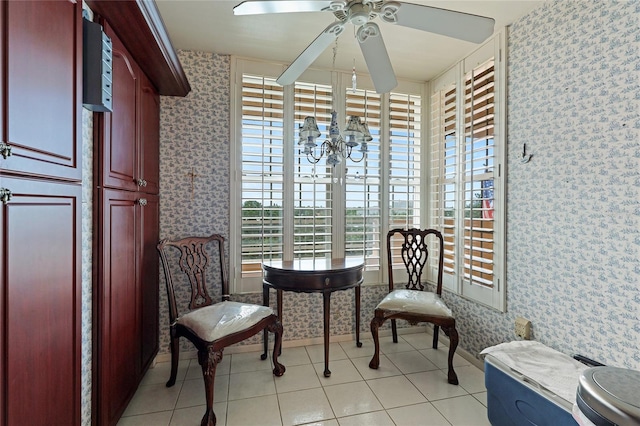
x=336, y=148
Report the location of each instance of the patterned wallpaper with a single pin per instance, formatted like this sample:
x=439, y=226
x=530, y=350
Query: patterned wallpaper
x=87, y=256
x=573, y=218
x=573, y=221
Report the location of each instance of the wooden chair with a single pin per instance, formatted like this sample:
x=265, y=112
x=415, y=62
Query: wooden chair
x=210, y=327
x=411, y=303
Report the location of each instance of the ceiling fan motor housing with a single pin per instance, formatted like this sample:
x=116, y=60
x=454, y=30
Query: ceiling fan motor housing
x=358, y=14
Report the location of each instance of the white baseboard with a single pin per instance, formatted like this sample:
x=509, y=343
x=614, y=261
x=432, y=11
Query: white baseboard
x=193, y=354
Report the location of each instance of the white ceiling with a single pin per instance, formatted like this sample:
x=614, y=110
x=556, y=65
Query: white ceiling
x=210, y=26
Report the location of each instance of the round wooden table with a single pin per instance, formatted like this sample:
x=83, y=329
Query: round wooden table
x=314, y=276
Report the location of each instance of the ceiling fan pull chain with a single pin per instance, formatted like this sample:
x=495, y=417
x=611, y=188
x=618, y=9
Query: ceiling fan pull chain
x=354, y=78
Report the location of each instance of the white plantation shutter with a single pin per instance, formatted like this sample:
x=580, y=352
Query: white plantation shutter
x=478, y=166
x=313, y=193
x=404, y=162
x=262, y=173
x=444, y=154
x=404, y=166
x=363, y=183
x=466, y=151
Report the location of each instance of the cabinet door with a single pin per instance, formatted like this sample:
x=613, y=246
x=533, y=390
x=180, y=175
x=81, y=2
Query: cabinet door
x=116, y=303
x=43, y=87
x=117, y=130
x=148, y=272
x=149, y=137
x=40, y=296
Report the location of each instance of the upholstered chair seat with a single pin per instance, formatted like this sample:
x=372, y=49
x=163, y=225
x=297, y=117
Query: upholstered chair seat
x=415, y=302
x=223, y=319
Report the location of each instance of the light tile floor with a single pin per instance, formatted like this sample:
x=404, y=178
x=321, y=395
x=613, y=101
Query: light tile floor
x=409, y=388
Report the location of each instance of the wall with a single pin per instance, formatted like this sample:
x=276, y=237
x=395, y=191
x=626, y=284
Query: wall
x=87, y=257
x=194, y=165
x=573, y=218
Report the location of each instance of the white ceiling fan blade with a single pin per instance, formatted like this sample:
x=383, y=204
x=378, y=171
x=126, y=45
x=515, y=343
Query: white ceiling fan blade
x=257, y=7
x=463, y=26
x=306, y=58
x=376, y=56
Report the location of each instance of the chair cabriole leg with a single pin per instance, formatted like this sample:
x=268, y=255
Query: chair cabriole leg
x=174, y=346
x=276, y=329
x=436, y=329
x=375, y=324
x=452, y=333
x=208, y=360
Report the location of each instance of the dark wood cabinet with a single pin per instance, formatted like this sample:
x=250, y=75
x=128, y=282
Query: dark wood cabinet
x=43, y=87
x=126, y=297
x=127, y=219
x=148, y=276
x=117, y=131
x=130, y=134
x=40, y=231
x=40, y=276
x=149, y=137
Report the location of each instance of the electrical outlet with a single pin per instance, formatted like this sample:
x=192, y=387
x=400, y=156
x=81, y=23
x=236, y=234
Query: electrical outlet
x=523, y=328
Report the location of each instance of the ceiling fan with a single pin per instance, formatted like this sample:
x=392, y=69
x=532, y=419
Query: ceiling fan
x=361, y=13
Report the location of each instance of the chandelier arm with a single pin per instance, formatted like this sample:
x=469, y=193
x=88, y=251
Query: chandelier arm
x=311, y=156
x=342, y=147
x=356, y=161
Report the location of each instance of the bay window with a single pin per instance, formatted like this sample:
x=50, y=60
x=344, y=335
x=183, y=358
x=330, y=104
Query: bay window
x=290, y=208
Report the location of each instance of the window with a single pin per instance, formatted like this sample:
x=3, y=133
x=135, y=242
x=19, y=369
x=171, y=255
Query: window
x=363, y=182
x=313, y=192
x=291, y=208
x=467, y=180
x=262, y=192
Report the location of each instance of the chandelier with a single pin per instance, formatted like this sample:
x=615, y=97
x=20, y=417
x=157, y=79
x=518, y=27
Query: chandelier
x=335, y=147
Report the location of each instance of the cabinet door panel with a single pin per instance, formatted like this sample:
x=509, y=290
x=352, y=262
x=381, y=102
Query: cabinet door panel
x=119, y=151
x=149, y=269
x=40, y=300
x=149, y=137
x=43, y=97
x=117, y=298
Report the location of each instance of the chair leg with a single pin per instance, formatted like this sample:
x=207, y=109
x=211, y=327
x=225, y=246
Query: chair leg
x=436, y=329
x=276, y=328
x=208, y=360
x=375, y=324
x=394, y=331
x=174, y=346
x=452, y=333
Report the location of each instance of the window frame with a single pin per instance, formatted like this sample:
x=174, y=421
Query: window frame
x=494, y=296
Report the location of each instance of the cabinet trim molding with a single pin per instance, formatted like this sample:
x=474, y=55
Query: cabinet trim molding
x=140, y=27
